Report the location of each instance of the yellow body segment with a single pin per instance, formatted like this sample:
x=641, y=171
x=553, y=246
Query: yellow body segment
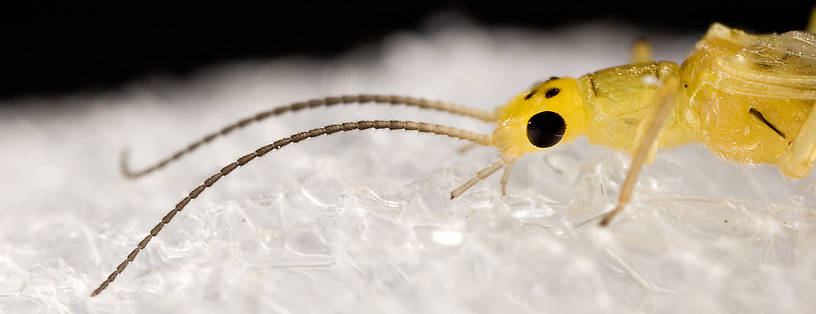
x=751, y=93
x=617, y=102
x=746, y=97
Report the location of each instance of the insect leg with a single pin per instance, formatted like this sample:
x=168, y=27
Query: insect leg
x=798, y=160
x=505, y=177
x=641, y=51
x=481, y=175
x=811, y=26
x=664, y=100
x=801, y=154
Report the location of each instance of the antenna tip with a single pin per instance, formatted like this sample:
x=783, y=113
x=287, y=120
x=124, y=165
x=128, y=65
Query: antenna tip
x=98, y=290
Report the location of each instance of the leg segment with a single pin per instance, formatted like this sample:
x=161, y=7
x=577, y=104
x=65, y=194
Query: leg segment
x=798, y=160
x=641, y=51
x=505, y=177
x=664, y=102
x=811, y=26
x=481, y=175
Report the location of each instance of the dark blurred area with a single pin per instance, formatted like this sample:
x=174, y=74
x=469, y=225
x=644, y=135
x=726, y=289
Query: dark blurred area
x=58, y=49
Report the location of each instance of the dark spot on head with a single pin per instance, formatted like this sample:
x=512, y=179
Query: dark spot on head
x=545, y=129
x=552, y=78
x=530, y=94
x=552, y=92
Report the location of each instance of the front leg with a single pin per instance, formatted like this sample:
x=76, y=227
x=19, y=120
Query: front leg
x=481, y=175
x=664, y=102
x=641, y=51
x=798, y=160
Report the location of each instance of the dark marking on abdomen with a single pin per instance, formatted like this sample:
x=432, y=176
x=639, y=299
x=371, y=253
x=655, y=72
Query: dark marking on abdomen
x=759, y=116
x=592, y=84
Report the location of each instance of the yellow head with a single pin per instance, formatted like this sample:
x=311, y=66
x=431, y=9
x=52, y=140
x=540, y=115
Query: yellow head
x=547, y=114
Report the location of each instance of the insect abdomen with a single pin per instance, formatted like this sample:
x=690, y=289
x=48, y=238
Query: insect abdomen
x=750, y=108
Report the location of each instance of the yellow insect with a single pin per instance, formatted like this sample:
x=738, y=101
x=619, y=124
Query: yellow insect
x=747, y=97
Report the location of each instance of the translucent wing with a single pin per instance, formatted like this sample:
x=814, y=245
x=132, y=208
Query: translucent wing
x=777, y=66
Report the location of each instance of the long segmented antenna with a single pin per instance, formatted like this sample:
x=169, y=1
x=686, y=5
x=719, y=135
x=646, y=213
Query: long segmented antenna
x=486, y=116
x=477, y=138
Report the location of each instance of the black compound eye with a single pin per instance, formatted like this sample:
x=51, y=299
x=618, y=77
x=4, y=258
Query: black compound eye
x=545, y=129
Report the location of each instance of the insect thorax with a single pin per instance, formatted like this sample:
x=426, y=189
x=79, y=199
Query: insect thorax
x=618, y=99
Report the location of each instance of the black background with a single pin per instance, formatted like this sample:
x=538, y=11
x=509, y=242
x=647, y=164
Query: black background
x=57, y=49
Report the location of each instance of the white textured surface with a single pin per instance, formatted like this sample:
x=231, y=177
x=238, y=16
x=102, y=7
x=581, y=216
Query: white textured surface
x=361, y=222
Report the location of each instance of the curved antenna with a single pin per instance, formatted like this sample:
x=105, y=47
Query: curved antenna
x=486, y=116
x=477, y=138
